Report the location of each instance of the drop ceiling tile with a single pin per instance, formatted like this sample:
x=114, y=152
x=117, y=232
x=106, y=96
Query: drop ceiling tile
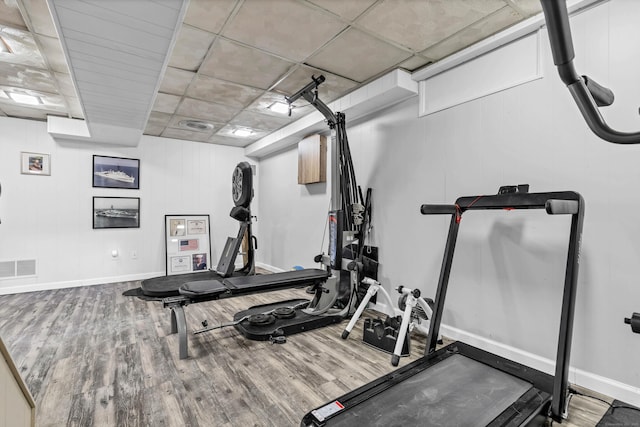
x=206, y=110
x=348, y=10
x=186, y=134
x=227, y=93
x=24, y=112
x=528, y=7
x=332, y=88
x=153, y=129
x=52, y=51
x=190, y=48
x=26, y=77
x=159, y=119
x=40, y=17
x=175, y=122
x=10, y=15
x=166, y=103
x=255, y=120
x=300, y=108
x=287, y=28
x=209, y=15
x=357, y=56
x=492, y=24
x=415, y=62
x=229, y=61
x=75, y=109
x=65, y=84
x=226, y=140
x=420, y=24
x=176, y=81
x=24, y=49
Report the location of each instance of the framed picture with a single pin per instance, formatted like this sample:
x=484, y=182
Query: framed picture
x=116, y=172
x=35, y=164
x=188, y=246
x=116, y=212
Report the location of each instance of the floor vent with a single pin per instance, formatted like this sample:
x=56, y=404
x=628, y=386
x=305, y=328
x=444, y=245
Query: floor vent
x=18, y=268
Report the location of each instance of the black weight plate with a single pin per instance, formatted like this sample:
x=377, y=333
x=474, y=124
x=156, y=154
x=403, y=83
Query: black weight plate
x=284, y=313
x=261, y=319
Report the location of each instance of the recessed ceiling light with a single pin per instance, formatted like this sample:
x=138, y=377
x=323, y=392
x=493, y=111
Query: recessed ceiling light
x=196, y=125
x=242, y=132
x=279, y=107
x=23, y=98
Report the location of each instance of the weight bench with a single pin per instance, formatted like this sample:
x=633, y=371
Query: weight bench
x=211, y=290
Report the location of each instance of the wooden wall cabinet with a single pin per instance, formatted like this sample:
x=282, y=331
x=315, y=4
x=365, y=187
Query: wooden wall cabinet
x=312, y=159
x=17, y=407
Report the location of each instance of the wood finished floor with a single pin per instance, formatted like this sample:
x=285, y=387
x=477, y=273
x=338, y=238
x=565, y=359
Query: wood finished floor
x=93, y=357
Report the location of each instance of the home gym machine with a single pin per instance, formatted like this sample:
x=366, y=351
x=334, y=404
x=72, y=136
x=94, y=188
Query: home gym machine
x=244, y=243
x=587, y=94
x=464, y=385
x=347, y=221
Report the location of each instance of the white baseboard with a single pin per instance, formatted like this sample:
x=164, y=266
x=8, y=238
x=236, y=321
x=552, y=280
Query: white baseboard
x=607, y=386
x=34, y=287
x=271, y=268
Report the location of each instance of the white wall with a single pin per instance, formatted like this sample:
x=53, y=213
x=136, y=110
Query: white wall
x=49, y=218
x=508, y=273
x=292, y=217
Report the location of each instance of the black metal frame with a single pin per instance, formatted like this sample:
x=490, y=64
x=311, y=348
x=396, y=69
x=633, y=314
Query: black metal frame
x=587, y=94
x=567, y=202
x=116, y=185
x=548, y=394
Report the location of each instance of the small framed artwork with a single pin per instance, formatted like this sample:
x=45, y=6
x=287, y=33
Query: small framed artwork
x=188, y=246
x=35, y=164
x=116, y=172
x=116, y=212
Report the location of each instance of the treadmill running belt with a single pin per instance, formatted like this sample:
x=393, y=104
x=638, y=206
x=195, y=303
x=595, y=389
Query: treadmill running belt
x=457, y=391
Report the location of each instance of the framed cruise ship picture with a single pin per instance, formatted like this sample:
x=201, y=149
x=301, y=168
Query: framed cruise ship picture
x=116, y=212
x=116, y=172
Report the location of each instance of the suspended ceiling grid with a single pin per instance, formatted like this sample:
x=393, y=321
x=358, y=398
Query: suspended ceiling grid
x=232, y=59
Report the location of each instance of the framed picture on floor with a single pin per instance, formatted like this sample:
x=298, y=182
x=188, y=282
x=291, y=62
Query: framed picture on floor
x=116, y=212
x=187, y=243
x=35, y=164
x=116, y=172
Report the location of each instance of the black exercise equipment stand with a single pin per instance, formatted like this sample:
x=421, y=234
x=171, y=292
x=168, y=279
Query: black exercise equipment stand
x=460, y=384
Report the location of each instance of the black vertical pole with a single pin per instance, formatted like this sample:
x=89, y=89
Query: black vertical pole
x=563, y=356
x=443, y=283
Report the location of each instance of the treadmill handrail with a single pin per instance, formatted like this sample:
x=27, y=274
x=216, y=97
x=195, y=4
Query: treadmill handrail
x=587, y=94
x=565, y=202
x=513, y=200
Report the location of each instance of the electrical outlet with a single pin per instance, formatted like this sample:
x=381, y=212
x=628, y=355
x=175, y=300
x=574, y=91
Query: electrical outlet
x=134, y=254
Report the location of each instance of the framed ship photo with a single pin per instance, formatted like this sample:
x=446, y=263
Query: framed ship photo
x=116, y=212
x=116, y=172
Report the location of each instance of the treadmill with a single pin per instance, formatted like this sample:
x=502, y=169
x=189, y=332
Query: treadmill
x=461, y=385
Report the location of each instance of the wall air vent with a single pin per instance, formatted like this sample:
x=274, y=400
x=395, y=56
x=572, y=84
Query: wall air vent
x=17, y=268
x=26, y=267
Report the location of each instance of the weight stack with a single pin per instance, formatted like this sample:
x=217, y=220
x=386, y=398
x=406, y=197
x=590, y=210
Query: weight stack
x=383, y=336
